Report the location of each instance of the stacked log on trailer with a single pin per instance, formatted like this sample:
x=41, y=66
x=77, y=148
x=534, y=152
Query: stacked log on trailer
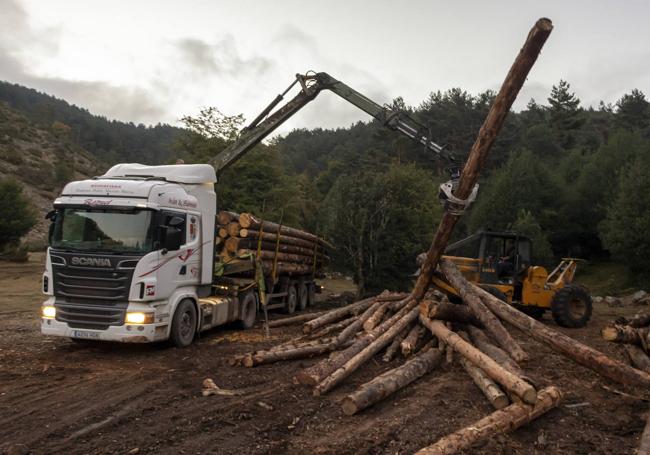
x=282, y=249
x=424, y=328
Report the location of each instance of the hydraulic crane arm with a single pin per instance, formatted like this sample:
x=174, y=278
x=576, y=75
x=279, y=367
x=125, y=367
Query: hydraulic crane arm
x=311, y=85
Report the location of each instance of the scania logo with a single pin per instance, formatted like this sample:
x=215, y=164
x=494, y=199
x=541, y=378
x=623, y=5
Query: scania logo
x=94, y=262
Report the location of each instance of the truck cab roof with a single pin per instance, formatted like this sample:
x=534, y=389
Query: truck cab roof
x=177, y=173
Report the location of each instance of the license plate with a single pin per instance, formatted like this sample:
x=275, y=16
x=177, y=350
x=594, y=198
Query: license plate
x=84, y=334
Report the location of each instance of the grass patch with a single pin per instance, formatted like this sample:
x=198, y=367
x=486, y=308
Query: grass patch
x=606, y=278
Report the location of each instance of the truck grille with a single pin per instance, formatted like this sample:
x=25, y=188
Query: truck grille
x=91, y=297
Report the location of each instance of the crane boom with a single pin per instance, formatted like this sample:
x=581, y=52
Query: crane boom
x=311, y=85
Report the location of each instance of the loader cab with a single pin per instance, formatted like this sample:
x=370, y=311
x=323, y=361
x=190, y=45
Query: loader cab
x=492, y=257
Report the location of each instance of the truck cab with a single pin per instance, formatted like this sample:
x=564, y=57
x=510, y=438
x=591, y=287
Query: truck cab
x=129, y=249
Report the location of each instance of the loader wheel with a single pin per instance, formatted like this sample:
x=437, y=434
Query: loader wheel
x=303, y=297
x=248, y=310
x=292, y=300
x=311, y=294
x=571, y=306
x=183, y=324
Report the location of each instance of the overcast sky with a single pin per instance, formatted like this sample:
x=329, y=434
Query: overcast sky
x=155, y=60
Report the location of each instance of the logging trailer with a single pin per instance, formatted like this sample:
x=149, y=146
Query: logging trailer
x=501, y=263
x=132, y=254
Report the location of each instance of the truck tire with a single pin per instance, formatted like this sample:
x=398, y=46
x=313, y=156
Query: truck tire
x=571, y=306
x=311, y=294
x=248, y=310
x=303, y=297
x=291, y=300
x=183, y=324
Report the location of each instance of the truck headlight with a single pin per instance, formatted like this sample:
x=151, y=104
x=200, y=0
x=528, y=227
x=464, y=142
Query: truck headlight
x=48, y=312
x=138, y=318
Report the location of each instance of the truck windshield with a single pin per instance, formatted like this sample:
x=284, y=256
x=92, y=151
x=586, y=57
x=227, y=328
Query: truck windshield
x=113, y=230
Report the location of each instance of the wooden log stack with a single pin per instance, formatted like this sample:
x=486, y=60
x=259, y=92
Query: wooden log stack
x=411, y=326
x=280, y=248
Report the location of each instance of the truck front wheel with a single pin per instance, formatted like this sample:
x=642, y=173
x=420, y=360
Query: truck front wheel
x=183, y=324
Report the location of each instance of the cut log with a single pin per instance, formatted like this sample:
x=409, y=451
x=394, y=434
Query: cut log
x=626, y=334
x=376, y=317
x=390, y=382
x=639, y=358
x=446, y=311
x=316, y=373
x=295, y=319
x=273, y=237
x=482, y=342
x=333, y=327
x=356, y=325
x=255, y=223
x=234, y=244
x=408, y=345
x=287, y=267
x=501, y=421
x=222, y=232
x=284, y=257
x=339, y=313
x=224, y=217
x=395, y=345
x=367, y=352
x=480, y=150
x=495, y=371
x=233, y=229
x=567, y=346
x=263, y=357
x=490, y=389
x=487, y=318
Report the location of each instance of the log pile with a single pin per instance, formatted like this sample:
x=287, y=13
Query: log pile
x=424, y=328
x=281, y=249
x=634, y=334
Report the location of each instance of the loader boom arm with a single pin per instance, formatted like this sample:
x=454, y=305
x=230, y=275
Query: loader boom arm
x=311, y=85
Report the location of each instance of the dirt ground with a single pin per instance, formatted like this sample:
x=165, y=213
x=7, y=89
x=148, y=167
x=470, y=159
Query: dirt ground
x=57, y=396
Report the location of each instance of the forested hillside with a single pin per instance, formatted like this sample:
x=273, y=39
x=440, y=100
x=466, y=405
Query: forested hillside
x=571, y=177
x=110, y=141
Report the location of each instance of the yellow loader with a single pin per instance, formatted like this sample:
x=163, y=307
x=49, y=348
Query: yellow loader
x=500, y=262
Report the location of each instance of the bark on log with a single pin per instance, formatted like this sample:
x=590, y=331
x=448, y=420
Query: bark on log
x=392, y=349
x=390, y=382
x=284, y=257
x=446, y=311
x=408, y=345
x=295, y=319
x=501, y=421
x=495, y=371
x=366, y=353
x=639, y=320
x=481, y=148
x=333, y=327
x=639, y=358
x=487, y=318
x=339, y=313
x=251, y=222
x=573, y=349
x=316, y=373
x=297, y=343
x=234, y=244
x=376, y=317
x=224, y=217
x=287, y=267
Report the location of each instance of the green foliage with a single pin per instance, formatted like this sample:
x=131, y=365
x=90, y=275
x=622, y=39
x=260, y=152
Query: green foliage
x=212, y=123
x=380, y=222
x=16, y=214
x=527, y=225
x=627, y=223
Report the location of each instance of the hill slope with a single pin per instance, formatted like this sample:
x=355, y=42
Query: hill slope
x=42, y=161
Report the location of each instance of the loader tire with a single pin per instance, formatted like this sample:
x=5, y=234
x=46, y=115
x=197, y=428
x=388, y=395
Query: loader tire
x=571, y=306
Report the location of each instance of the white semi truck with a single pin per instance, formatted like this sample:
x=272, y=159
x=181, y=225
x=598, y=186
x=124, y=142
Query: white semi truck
x=132, y=252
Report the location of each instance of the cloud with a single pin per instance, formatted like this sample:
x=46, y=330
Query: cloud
x=19, y=42
x=221, y=58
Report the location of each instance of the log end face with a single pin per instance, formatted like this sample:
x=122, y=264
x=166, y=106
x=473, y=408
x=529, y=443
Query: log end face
x=609, y=333
x=348, y=406
x=501, y=402
x=545, y=24
x=305, y=378
x=530, y=396
x=248, y=361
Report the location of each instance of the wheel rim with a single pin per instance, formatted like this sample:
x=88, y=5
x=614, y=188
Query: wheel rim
x=577, y=308
x=185, y=325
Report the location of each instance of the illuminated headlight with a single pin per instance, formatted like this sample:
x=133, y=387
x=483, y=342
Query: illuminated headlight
x=139, y=318
x=48, y=312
